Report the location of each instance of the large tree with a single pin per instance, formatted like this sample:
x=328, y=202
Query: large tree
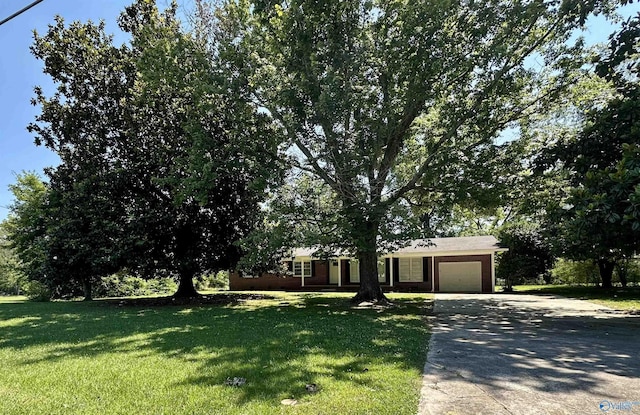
x=598, y=218
x=162, y=165
x=382, y=99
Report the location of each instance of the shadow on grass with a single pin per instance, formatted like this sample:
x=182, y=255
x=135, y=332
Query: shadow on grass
x=277, y=347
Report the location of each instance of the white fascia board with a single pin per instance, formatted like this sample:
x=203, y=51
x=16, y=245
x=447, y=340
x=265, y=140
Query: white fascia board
x=442, y=253
x=410, y=254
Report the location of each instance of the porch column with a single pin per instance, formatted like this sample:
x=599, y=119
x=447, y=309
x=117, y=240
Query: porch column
x=302, y=276
x=391, y=271
x=433, y=274
x=339, y=272
x=493, y=272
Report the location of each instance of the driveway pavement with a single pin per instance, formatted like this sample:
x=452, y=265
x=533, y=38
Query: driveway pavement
x=525, y=354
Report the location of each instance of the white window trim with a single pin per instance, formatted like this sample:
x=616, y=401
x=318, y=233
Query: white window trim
x=302, y=269
x=403, y=278
x=354, y=277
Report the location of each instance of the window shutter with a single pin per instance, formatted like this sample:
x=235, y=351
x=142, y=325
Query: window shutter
x=405, y=269
x=396, y=269
x=387, y=270
x=425, y=269
x=416, y=269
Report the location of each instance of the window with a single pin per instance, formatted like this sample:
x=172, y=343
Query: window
x=302, y=268
x=410, y=270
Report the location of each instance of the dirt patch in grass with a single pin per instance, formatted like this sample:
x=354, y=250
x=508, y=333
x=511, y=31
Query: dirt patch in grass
x=201, y=300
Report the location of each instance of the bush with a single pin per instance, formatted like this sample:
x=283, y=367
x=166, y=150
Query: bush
x=123, y=285
x=217, y=281
x=161, y=286
x=37, y=291
x=627, y=271
x=575, y=272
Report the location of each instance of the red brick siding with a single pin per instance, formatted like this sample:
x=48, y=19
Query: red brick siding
x=320, y=273
x=264, y=282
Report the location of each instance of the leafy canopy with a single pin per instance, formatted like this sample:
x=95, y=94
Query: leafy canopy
x=382, y=100
x=163, y=165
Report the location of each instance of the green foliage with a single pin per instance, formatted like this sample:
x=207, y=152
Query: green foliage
x=27, y=224
x=163, y=165
x=597, y=218
x=628, y=271
x=575, y=272
x=123, y=285
x=217, y=281
x=390, y=104
x=529, y=258
x=12, y=277
x=81, y=122
x=37, y=291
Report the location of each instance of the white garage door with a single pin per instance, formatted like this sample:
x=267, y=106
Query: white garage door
x=460, y=276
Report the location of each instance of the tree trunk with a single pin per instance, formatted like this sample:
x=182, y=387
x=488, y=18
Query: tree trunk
x=87, y=288
x=369, y=289
x=623, y=271
x=186, y=289
x=606, y=272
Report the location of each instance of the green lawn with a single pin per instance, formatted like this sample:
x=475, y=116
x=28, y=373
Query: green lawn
x=95, y=358
x=617, y=298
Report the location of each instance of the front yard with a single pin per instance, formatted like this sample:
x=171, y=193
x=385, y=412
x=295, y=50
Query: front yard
x=617, y=298
x=90, y=358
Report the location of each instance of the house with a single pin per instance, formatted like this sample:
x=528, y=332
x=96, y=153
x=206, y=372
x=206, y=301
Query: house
x=462, y=264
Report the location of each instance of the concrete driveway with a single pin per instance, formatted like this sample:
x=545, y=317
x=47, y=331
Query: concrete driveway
x=526, y=354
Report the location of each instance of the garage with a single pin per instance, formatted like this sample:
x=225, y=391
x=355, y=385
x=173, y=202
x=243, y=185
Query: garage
x=460, y=276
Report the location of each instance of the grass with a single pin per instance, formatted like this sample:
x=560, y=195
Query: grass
x=90, y=358
x=617, y=298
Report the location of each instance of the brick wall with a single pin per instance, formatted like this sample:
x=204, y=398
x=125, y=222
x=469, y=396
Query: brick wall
x=264, y=282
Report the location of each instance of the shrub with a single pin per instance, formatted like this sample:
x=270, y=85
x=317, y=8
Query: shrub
x=37, y=291
x=161, y=286
x=575, y=272
x=217, y=281
x=627, y=271
x=124, y=285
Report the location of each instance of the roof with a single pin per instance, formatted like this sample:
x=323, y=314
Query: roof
x=434, y=246
x=461, y=243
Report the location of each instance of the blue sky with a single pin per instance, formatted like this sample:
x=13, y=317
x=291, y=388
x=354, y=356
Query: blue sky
x=20, y=72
